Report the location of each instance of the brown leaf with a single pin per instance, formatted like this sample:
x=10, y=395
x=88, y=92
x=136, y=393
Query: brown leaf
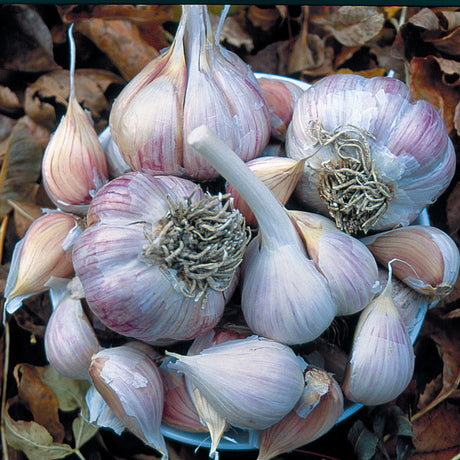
x=426, y=83
x=263, y=18
x=9, y=101
x=121, y=41
x=271, y=59
x=448, y=44
x=24, y=215
x=46, y=98
x=6, y=126
x=453, y=200
x=449, y=19
x=426, y=19
x=26, y=41
x=436, y=433
x=354, y=25
x=39, y=399
x=233, y=33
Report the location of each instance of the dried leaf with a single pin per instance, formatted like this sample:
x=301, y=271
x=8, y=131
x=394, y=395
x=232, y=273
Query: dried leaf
x=46, y=98
x=449, y=19
x=448, y=44
x=271, y=59
x=9, y=101
x=27, y=143
x=453, y=200
x=263, y=18
x=39, y=399
x=233, y=33
x=32, y=438
x=426, y=19
x=121, y=41
x=354, y=25
x=24, y=215
x=450, y=70
x=26, y=41
x=364, y=441
x=436, y=433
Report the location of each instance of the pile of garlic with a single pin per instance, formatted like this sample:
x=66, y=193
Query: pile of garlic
x=138, y=247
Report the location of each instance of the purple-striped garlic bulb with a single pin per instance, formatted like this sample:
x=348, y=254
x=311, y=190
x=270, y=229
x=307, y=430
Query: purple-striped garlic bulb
x=160, y=258
x=375, y=157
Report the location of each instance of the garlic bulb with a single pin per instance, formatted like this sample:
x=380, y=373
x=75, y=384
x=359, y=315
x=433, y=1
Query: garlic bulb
x=44, y=253
x=70, y=340
x=195, y=81
x=130, y=383
x=279, y=174
x=382, y=358
x=281, y=97
x=425, y=258
x=316, y=412
x=346, y=262
x=159, y=258
x=375, y=157
x=251, y=382
x=74, y=164
x=284, y=296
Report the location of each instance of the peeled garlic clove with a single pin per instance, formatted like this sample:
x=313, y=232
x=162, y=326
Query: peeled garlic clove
x=346, y=262
x=284, y=296
x=70, y=340
x=251, y=382
x=156, y=262
x=116, y=166
x=130, y=383
x=279, y=174
x=425, y=258
x=178, y=410
x=375, y=157
x=74, y=164
x=382, y=358
x=316, y=412
x=281, y=97
x=43, y=253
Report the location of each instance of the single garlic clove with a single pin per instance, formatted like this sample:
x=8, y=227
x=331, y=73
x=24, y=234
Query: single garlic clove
x=43, y=253
x=128, y=379
x=281, y=97
x=346, y=262
x=74, y=165
x=279, y=174
x=425, y=258
x=178, y=410
x=316, y=412
x=251, y=382
x=70, y=340
x=381, y=361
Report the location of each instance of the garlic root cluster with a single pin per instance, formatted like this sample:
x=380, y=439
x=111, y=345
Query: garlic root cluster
x=154, y=259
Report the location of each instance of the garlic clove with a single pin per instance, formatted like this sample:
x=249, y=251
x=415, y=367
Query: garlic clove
x=316, y=412
x=128, y=379
x=346, y=262
x=178, y=410
x=279, y=174
x=70, y=340
x=381, y=361
x=74, y=165
x=43, y=253
x=425, y=258
x=281, y=97
x=251, y=382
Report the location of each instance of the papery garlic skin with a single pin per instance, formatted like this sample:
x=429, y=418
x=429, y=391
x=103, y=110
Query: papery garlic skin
x=130, y=383
x=382, y=360
x=128, y=290
x=279, y=174
x=346, y=262
x=43, y=253
x=70, y=340
x=412, y=157
x=425, y=258
x=193, y=82
x=251, y=382
x=316, y=412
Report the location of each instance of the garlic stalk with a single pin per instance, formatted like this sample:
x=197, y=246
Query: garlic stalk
x=251, y=382
x=193, y=81
x=375, y=157
x=284, y=297
x=74, y=165
x=382, y=358
x=160, y=258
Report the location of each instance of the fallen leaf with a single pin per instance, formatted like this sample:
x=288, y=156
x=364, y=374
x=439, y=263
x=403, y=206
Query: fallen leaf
x=233, y=33
x=34, y=314
x=436, y=433
x=363, y=440
x=263, y=18
x=426, y=83
x=453, y=200
x=449, y=19
x=9, y=101
x=24, y=215
x=354, y=25
x=448, y=44
x=450, y=71
x=22, y=168
x=26, y=40
x=121, y=41
x=271, y=59
x=95, y=89
x=6, y=126
x=426, y=19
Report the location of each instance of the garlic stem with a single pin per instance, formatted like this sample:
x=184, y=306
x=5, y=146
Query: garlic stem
x=275, y=225
x=72, y=63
